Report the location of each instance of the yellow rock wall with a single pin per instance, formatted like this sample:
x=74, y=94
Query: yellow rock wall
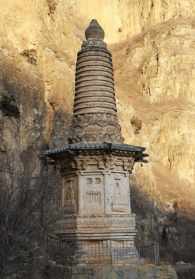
x=153, y=44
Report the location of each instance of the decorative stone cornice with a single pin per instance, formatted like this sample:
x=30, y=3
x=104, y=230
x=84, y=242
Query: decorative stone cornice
x=123, y=150
x=99, y=163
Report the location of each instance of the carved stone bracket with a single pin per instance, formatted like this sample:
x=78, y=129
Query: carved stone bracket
x=97, y=162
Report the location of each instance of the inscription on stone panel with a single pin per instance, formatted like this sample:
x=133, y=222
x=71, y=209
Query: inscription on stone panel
x=89, y=180
x=97, y=180
x=93, y=194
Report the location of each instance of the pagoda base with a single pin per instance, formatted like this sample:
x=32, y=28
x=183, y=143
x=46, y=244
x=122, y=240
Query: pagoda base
x=101, y=252
x=98, y=226
x=101, y=244
x=115, y=252
x=133, y=271
x=99, y=240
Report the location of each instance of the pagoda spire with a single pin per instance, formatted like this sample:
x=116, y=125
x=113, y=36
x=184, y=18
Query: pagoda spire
x=94, y=31
x=95, y=113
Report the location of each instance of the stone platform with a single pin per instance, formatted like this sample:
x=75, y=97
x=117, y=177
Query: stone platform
x=137, y=271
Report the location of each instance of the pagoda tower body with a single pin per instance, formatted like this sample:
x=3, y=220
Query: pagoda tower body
x=96, y=165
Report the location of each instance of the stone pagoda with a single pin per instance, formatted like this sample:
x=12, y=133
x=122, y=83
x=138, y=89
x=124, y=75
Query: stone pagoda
x=96, y=165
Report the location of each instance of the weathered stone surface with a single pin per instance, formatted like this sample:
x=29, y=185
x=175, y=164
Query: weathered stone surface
x=95, y=198
x=133, y=272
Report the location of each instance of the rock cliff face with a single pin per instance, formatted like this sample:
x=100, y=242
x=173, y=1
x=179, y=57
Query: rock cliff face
x=153, y=54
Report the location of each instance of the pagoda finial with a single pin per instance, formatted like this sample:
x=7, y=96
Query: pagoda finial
x=94, y=31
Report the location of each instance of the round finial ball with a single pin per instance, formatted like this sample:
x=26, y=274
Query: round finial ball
x=94, y=31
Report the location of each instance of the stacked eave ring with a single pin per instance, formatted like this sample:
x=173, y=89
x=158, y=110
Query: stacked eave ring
x=94, y=83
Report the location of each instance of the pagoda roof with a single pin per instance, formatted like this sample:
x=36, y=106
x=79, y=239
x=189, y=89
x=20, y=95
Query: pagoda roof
x=98, y=148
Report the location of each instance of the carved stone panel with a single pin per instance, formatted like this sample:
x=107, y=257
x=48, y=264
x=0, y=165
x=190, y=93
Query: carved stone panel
x=120, y=193
x=69, y=194
x=91, y=188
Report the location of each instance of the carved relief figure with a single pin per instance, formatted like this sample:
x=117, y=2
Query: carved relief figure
x=117, y=190
x=68, y=194
x=120, y=198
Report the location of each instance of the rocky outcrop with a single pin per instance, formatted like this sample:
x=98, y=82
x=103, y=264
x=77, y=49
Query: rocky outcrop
x=153, y=55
